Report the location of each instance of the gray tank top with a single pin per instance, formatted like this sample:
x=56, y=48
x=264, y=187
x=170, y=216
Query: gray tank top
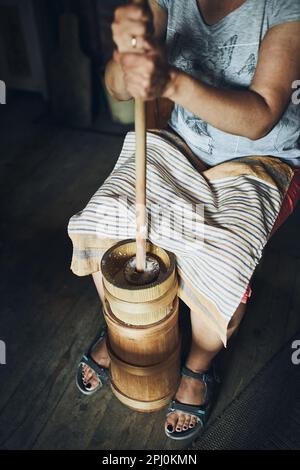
x=225, y=55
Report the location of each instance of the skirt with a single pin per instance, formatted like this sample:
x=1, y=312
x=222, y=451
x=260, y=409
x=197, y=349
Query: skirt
x=216, y=220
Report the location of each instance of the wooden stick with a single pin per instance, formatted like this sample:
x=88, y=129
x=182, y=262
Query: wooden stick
x=140, y=163
x=140, y=158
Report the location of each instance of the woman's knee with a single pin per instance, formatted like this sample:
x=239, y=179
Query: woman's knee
x=236, y=320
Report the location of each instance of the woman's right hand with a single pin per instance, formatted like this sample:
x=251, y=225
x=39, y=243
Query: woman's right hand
x=130, y=22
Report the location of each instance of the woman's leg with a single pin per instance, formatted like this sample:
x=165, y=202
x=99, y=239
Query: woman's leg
x=204, y=347
x=99, y=353
x=97, y=277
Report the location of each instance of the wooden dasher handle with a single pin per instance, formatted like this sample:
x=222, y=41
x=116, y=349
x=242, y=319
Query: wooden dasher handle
x=140, y=159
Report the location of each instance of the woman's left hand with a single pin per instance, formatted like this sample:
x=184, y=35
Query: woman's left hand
x=146, y=73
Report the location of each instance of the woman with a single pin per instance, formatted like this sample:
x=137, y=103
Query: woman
x=230, y=68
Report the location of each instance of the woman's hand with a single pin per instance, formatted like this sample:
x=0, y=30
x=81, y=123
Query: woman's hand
x=132, y=21
x=146, y=75
x=143, y=62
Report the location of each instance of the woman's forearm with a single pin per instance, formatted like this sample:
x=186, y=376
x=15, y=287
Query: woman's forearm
x=114, y=81
x=238, y=112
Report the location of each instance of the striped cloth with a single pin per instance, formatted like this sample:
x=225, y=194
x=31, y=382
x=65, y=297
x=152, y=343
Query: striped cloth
x=216, y=221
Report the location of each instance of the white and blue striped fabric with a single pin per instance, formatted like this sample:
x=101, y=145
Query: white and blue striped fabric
x=216, y=222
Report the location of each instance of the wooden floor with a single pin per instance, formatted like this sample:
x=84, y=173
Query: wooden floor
x=49, y=316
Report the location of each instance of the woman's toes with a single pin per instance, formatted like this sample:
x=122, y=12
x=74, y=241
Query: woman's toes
x=180, y=422
x=186, y=422
x=193, y=422
x=84, y=370
x=171, y=422
x=94, y=382
x=88, y=375
x=89, y=378
x=169, y=427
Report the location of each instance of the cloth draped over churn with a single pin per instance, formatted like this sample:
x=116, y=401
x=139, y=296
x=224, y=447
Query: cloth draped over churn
x=216, y=221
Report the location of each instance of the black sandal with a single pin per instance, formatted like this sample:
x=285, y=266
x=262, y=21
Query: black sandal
x=102, y=373
x=201, y=412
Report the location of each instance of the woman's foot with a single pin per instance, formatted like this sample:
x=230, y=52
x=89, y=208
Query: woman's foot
x=100, y=355
x=191, y=392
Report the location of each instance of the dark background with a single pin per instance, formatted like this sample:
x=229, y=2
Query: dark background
x=62, y=62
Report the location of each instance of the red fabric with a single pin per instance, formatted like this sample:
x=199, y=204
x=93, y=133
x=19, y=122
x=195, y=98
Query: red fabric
x=247, y=295
x=289, y=203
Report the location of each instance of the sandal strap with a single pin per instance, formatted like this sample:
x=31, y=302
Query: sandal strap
x=195, y=410
x=100, y=336
x=101, y=372
x=201, y=376
x=208, y=378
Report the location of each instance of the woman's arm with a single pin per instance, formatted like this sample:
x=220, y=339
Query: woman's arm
x=131, y=21
x=254, y=112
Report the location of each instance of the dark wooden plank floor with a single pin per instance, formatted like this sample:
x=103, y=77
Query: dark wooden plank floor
x=48, y=316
